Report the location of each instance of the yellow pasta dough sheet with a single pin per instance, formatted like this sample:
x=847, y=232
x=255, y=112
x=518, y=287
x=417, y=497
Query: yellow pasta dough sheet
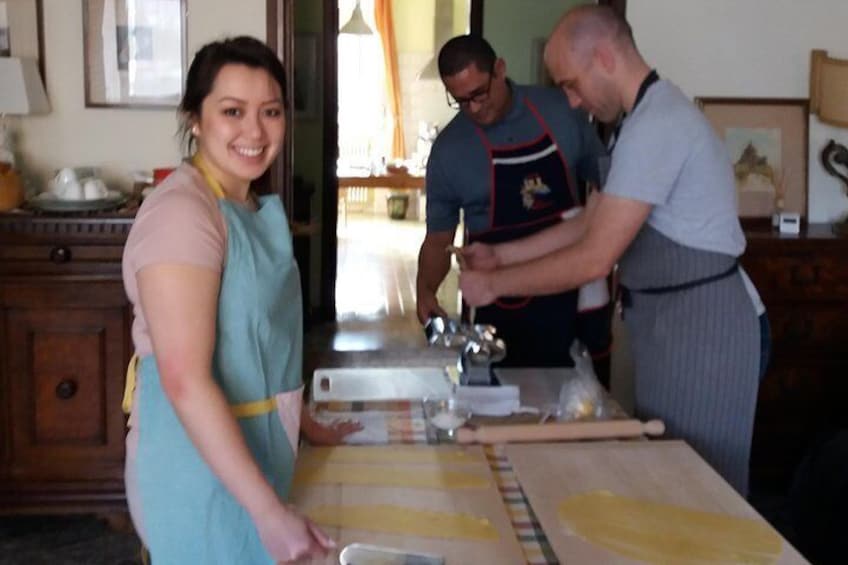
x=664, y=534
x=385, y=476
x=403, y=520
x=402, y=455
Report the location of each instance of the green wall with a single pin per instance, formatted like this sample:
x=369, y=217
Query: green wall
x=513, y=35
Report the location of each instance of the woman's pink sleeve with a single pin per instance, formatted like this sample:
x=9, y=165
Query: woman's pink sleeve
x=180, y=225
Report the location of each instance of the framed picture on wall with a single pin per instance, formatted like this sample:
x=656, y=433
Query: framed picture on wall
x=134, y=52
x=306, y=95
x=767, y=141
x=20, y=29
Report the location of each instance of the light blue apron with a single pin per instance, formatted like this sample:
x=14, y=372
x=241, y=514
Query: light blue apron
x=188, y=515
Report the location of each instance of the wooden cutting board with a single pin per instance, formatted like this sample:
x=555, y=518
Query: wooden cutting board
x=667, y=472
x=481, y=502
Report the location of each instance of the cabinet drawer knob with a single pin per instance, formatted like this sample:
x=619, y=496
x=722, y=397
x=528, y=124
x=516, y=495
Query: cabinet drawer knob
x=804, y=275
x=66, y=389
x=60, y=254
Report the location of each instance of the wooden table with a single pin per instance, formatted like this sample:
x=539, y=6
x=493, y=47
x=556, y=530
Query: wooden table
x=667, y=472
x=484, y=502
x=398, y=181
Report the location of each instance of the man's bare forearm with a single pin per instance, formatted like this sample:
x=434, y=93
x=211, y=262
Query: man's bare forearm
x=547, y=241
x=565, y=233
x=433, y=262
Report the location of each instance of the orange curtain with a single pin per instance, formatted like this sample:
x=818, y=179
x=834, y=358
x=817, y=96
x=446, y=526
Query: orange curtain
x=386, y=29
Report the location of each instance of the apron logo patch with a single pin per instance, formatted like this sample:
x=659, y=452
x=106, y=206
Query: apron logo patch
x=533, y=193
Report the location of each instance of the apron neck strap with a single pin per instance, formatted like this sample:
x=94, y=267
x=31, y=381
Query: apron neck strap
x=214, y=185
x=647, y=82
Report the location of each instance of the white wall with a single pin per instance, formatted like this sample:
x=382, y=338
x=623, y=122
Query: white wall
x=117, y=140
x=749, y=48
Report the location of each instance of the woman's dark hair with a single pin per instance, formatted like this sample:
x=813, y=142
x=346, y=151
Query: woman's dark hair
x=463, y=50
x=207, y=63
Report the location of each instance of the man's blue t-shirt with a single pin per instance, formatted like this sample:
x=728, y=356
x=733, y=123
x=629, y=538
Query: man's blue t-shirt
x=459, y=169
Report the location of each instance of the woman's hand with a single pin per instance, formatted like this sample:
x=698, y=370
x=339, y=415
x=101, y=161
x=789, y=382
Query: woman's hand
x=327, y=434
x=289, y=537
x=480, y=257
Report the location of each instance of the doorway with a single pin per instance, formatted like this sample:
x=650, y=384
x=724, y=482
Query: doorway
x=329, y=190
x=369, y=262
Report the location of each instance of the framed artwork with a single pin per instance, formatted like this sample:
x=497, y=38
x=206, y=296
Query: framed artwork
x=20, y=29
x=306, y=96
x=135, y=52
x=768, y=145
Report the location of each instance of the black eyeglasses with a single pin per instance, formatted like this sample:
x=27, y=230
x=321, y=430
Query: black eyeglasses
x=478, y=97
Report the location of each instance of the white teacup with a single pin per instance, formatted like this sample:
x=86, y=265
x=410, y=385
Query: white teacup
x=94, y=189
x=70, y=191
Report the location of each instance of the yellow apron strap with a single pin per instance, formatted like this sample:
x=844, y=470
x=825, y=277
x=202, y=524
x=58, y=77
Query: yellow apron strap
x=243, y=410
x=129, y=384
x=213, y=183
x=256, y=408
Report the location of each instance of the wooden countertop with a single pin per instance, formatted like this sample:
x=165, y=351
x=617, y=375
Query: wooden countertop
x=397, y=181
x=666, y=472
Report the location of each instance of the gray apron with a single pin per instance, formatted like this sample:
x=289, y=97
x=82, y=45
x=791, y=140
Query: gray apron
x=695, y=338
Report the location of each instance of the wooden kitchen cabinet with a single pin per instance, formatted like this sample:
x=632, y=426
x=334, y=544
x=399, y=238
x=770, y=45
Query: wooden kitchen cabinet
x=803, y=281
x=64, y=345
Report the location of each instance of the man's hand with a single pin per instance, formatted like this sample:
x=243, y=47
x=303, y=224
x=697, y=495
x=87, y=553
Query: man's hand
x=476, y=288
x=428, y=306
x=480, y=257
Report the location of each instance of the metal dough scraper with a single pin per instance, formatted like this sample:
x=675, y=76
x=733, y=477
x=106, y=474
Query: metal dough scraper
x=362, y=554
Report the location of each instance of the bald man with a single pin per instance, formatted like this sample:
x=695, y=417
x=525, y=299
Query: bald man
x=667, y=216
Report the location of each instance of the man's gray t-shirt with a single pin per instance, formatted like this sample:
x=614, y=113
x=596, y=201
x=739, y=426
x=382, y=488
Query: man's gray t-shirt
x=459, y=172
x=668, y=155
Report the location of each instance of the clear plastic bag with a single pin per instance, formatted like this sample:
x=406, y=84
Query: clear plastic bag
x=582, y=397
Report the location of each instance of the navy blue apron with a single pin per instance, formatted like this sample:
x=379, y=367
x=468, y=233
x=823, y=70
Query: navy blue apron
x=531, y=187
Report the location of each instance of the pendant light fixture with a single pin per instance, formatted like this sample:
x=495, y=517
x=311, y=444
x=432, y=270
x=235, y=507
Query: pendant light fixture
x=442, y=32
x=356, y=25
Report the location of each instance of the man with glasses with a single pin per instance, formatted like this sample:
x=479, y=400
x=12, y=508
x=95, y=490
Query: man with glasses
x=515, y=160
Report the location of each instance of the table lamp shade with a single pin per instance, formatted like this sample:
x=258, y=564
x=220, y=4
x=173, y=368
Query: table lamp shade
x=829, y=88
x=21, y=90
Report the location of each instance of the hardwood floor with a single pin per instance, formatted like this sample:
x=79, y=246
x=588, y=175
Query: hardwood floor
x=375, y=288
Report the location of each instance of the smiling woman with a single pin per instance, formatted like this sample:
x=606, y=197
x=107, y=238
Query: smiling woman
x=239, y=128
x=218, y=331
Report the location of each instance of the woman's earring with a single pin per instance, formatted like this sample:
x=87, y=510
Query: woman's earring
x=194, y=130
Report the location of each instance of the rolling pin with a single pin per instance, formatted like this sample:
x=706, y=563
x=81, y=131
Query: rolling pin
x=560, y=431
